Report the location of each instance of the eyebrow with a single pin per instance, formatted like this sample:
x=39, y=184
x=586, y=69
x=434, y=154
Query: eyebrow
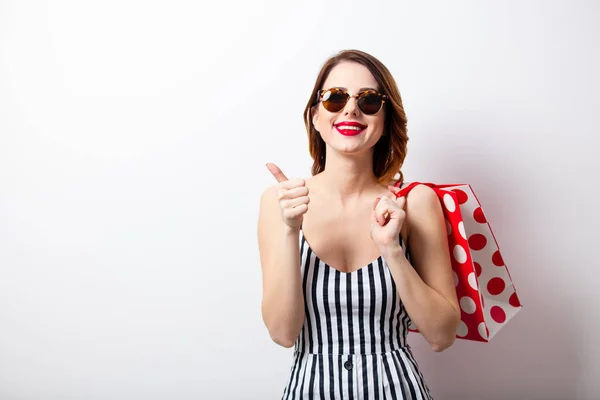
x=360, y=90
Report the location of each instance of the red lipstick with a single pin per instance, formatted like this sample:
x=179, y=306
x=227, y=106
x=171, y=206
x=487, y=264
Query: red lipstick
x=349, y=128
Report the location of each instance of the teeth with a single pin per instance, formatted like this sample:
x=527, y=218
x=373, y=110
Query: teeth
x=354, y=128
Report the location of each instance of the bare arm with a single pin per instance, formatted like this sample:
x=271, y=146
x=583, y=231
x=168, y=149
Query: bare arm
x=283, y=301
x=427, y=290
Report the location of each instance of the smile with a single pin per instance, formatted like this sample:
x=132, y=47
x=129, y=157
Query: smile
x=350, y=129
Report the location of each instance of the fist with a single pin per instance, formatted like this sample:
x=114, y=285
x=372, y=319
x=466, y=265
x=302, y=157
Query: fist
x=387, y=218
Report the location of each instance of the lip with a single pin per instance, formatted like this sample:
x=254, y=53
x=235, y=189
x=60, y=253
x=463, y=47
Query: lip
x=350, y=132
x=350, y=123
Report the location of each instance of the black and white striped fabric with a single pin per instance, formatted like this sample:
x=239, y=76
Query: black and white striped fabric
x=353, y=342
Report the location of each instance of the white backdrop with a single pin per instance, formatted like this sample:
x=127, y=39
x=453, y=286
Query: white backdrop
x=133, y=143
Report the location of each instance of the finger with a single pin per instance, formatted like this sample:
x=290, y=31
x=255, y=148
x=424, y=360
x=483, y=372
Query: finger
x=376, y=202
x=293, y=192
x=394, y=189
x=291, y=189
x=386, y=208
x=291, y=203
x=380, y=211
x=276, y=172
x=378, y=198
x=401, y=202
x=381, y=196
x=380, y=218
x=291, y=213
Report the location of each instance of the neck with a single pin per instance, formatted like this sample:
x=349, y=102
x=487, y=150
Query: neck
x=348, y=178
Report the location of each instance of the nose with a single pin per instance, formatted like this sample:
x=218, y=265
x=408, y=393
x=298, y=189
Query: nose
x=351, y=106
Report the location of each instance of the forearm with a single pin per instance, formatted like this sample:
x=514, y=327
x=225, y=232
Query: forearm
x=283, y=300
x=432, y=314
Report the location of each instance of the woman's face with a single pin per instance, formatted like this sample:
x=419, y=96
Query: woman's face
x=354, y=78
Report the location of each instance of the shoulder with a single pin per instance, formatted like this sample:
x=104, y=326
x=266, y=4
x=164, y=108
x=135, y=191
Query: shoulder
x=423, y=208
x=268, y=201
x=268, y=210
x=268, y=193
x=421, y=197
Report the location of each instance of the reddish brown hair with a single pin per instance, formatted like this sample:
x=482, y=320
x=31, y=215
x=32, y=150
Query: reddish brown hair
x=390, y=150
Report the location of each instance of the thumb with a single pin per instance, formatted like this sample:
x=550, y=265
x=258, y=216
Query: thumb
x=401, y=202
x=394, y=189
x=276, y=172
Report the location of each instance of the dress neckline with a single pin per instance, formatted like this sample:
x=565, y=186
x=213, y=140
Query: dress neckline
x=379, y=259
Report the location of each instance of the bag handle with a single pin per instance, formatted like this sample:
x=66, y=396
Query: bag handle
x=404, y=191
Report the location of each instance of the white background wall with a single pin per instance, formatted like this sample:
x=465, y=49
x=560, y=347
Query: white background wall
x=133, y=138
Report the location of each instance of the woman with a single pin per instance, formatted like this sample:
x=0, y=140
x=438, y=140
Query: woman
x=369, y=264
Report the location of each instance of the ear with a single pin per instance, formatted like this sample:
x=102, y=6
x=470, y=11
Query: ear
x=315, y=115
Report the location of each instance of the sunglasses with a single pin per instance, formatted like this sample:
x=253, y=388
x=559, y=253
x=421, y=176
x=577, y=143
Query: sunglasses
x=335, y=99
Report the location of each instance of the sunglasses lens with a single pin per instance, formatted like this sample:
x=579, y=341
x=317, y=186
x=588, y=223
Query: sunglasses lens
x=334, y=100
x=370, y=103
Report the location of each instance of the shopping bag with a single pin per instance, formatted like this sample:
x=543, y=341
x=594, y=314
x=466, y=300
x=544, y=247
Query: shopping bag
x=485, y=290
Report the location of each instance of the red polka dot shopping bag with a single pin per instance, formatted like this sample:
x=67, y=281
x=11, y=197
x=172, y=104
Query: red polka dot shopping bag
x=485, y=290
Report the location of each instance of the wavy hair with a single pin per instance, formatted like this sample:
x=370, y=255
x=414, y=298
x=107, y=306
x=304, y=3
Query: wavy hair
x=390, y=150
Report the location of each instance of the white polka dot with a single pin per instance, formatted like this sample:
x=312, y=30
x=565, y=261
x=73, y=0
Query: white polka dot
x=468, y=305
x=462, y=329
x=448, y=227
x=473, y=280
x=455, y=278
x=482, y=331
x=449, y=202
x=461, y=229
x=460, y=254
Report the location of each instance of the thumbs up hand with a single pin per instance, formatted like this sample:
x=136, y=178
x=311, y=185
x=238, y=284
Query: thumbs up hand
x=293, y=197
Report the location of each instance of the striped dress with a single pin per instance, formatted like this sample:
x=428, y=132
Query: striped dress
x=353, y=341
